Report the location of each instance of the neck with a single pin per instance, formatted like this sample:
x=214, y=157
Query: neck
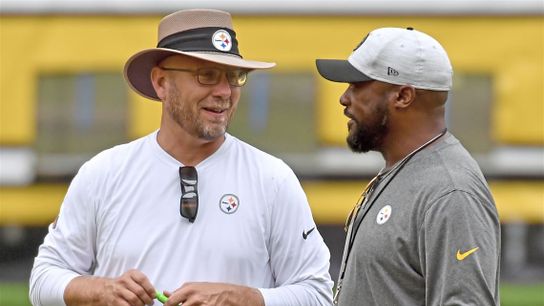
x=187, y=149
x=400, y=146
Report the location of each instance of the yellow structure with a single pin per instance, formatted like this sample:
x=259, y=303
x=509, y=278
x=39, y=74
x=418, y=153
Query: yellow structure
x=510, y=49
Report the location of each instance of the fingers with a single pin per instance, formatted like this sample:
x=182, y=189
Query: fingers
x=190, y=294
x=198, y=294
x=177, y=297
x=144, y=289
x=134, y=288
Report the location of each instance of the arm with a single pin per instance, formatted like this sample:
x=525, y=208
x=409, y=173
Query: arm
x=300, y=264
x=460, y=250
x=65, y=261
x=68, y=249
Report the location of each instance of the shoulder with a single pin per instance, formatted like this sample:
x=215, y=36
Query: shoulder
x=444, y=173
x=120, y=153
x=114, y=159
x=445, y=167
x=257, y=159
x=260, y=168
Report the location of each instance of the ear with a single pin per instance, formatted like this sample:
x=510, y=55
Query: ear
x=158, y=80
x=404, y=96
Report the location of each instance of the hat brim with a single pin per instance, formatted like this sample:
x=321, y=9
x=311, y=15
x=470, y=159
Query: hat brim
x=340, y=71
x=137, y=70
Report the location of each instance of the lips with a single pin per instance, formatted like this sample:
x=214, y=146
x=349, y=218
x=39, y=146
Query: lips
x=352, y=121
x=217, y=110
x=347, y=114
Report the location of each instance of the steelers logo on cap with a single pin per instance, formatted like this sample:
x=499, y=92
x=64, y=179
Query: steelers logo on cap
x=221, y=40
x=229, y=203
x=383, y=214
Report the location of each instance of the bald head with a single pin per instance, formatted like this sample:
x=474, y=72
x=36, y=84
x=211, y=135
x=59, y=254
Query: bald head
x=430, y=102
x=406, y=97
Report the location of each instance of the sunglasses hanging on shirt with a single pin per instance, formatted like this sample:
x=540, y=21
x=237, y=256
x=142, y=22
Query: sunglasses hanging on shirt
x=188, y=204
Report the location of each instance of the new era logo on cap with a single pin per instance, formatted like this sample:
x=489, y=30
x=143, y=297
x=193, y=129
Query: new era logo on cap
x=394, y=55
x=391, y=71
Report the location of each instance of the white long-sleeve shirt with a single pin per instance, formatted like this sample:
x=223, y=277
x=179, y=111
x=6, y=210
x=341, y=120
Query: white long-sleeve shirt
x=121, y=212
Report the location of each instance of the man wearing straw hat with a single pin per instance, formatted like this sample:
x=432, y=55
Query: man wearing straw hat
x=189, y=209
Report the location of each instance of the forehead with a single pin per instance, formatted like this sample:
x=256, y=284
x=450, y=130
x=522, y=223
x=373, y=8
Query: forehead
x=182, y=61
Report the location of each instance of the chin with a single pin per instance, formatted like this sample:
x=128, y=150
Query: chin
x=212, y=134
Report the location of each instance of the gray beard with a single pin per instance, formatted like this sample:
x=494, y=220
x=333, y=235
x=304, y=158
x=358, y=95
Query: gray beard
x=185, y=119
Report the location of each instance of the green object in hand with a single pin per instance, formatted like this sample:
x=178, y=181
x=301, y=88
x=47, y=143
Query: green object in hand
x=161, y=297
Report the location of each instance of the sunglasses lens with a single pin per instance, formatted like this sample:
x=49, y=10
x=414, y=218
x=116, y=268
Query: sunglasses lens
x=188, y=207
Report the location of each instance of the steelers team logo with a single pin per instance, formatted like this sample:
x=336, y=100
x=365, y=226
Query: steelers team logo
x=221, y=40
x=384, y=214
x=229, y=204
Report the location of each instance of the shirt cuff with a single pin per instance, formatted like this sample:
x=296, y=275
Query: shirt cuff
x=276, y=296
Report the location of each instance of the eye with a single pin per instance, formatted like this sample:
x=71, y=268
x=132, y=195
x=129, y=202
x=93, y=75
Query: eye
x=209, y=74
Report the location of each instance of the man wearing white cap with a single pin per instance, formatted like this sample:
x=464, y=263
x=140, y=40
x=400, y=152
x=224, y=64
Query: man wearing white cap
x=189, y=209
x=426, y=230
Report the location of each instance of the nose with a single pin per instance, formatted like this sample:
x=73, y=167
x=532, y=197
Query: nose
x=344, y=98
x=223, y=88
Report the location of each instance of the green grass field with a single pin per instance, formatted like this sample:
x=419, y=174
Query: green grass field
x=15, y=294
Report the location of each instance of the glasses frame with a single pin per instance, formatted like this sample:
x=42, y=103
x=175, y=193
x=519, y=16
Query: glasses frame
x=233, y=81
x=188, y=203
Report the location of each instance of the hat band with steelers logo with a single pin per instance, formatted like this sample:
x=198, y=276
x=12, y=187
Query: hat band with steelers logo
x=209, y=39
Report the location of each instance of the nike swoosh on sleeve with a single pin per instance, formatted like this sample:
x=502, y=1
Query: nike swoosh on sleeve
x=306, y=233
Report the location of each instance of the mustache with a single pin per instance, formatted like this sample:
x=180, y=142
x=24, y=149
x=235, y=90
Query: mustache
x=222, y=103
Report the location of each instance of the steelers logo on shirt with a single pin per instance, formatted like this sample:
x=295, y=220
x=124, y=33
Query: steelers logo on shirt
x=229, y=203
x=384, y=214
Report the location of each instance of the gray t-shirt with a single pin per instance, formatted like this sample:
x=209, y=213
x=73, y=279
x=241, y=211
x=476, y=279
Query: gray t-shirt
x=429, y=235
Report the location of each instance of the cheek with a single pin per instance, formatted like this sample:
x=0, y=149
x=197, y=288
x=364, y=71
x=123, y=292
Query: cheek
x=235, y=94
x=360, y=113
x=235, y=98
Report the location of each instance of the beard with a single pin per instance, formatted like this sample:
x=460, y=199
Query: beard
x=367, y=136
x=186, y=116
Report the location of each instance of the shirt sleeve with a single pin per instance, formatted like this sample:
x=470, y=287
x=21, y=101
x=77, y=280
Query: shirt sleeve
x=68, y=248
x=299, y=257
x=459, y=246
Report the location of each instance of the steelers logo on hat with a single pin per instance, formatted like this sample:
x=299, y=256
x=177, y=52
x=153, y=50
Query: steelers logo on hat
x=229, y=203
x=384, y=214
x=221, y=40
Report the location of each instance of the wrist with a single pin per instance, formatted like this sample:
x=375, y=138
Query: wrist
x=256, y=296
x=86, y=290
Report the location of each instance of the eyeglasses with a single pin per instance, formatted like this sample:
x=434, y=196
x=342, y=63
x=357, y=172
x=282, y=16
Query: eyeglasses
x=212, y=76
x=188, y=204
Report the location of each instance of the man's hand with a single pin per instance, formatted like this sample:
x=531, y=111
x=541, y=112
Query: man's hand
x=130, y=289
x=215, y=294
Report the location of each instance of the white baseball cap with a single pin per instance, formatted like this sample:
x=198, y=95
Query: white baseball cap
x=396, y=56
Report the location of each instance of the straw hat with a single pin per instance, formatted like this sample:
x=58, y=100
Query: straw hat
x=201, y=33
